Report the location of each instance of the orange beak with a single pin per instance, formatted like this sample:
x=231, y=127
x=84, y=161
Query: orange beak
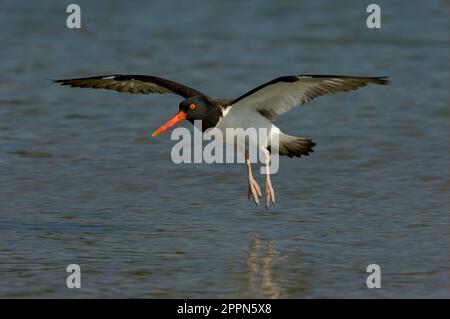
x=173, y=121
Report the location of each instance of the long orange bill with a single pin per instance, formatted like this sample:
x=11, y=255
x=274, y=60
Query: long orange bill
x=173, y=121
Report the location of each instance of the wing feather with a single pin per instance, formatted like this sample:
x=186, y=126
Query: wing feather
x=284, y=93
x=136, y=84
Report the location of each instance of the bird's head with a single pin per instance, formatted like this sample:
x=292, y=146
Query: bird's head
x=191, y=109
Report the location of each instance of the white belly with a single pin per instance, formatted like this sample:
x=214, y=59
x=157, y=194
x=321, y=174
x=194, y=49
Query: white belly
x=246, y=124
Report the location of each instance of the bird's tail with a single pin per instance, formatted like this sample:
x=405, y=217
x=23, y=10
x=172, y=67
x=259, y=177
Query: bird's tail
x=293, y=146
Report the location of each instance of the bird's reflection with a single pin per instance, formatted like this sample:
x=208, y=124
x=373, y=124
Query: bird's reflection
x=260, y=279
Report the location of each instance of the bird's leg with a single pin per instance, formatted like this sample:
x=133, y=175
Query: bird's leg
x=254, y=192
x=270, y=193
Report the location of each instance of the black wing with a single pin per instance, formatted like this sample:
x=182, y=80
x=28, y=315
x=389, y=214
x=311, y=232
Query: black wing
x=144, y=84
x=284, y=93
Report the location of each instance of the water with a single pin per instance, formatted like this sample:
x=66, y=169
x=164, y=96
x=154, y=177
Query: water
x=82, y=182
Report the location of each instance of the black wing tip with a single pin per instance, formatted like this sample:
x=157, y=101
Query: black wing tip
x=98, y=77
x=383, y=80
x=62, y=81
x=58, y=81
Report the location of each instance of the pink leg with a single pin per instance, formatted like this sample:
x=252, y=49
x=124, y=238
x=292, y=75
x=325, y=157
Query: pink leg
x=254, y=192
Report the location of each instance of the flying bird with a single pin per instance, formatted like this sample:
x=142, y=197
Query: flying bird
x=258, y=108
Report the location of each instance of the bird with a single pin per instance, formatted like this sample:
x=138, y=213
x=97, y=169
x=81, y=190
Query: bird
x=258, y=108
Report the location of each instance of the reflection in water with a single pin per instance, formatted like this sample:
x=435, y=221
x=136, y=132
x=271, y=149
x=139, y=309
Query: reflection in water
x=260, y=280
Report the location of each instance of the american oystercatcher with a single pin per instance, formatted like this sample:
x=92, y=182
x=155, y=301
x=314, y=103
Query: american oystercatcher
x=256, y=109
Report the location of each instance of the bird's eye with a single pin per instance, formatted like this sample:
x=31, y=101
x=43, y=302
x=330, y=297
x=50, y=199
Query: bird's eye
x=192, y=106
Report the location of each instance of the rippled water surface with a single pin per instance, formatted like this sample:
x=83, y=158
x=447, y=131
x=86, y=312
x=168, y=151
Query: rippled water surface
x=82, y=181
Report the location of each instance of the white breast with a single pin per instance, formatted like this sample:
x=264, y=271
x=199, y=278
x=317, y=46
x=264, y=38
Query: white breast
x=247, y=120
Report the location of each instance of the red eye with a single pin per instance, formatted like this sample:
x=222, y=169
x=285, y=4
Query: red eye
x=192, y=106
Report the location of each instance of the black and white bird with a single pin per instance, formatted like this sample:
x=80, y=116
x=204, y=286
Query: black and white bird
x=258, y=109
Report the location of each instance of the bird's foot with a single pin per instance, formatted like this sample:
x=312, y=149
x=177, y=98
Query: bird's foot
x=254, y=192
x=270, y=193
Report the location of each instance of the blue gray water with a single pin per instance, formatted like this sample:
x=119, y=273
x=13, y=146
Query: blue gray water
x=83, y=183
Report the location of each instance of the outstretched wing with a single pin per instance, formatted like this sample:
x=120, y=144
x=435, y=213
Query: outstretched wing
x=144, y=84
x=284, y=93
